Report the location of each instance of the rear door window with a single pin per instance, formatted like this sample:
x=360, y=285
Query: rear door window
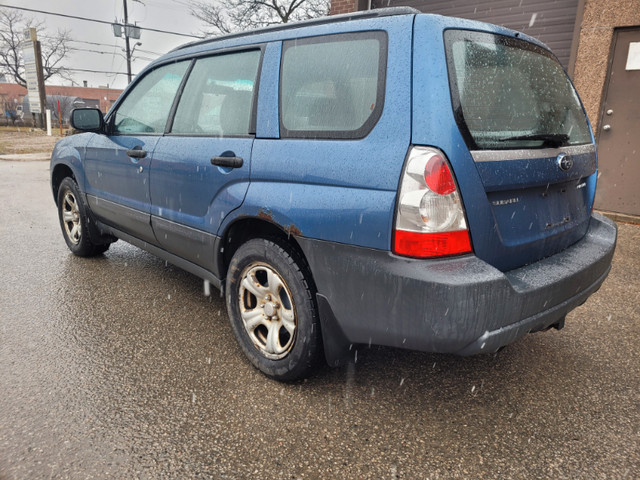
x=218, y=96
x=509, y=94
x=332, y=86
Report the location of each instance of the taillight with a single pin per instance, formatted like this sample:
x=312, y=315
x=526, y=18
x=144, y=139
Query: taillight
x=438, y=176
x=430, y=218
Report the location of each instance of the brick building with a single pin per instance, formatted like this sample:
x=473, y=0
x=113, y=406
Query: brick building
x=12, y=94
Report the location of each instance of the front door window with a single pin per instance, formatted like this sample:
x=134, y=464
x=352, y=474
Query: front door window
x=146, y=108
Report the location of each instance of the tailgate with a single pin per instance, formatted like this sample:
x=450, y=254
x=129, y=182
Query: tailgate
x=538, y=208
x=530, y=143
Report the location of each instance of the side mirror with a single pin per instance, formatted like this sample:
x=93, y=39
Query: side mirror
x=87, y=120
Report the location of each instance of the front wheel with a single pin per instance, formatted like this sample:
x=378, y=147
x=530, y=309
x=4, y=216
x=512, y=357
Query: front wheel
x=75, y=221
x=271, y=305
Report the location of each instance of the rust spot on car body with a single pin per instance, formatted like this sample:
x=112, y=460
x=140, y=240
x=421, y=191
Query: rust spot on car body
x=293, y=230
x=266, y=214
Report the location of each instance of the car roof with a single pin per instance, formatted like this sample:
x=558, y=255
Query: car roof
x=367, y=14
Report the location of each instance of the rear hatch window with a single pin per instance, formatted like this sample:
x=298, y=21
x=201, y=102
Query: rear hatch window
x=509, y=93
x=527, y=132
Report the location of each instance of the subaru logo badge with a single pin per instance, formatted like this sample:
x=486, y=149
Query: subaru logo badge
x=564, y=162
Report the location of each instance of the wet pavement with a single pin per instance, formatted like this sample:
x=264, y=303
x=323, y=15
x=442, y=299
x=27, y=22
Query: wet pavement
x=119, y=366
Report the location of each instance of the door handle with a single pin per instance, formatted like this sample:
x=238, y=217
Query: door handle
x=231, y=162
x=137, y=152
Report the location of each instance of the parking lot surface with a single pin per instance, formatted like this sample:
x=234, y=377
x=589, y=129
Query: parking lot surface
x=119, y=366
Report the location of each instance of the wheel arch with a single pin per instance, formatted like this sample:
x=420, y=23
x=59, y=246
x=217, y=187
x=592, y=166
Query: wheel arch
x=59, y=173
x=244, y=229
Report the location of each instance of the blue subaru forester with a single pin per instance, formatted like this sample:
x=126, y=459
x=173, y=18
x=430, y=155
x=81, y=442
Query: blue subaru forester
x=389, y=178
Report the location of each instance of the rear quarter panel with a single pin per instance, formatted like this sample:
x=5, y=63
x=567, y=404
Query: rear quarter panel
x=335, y=190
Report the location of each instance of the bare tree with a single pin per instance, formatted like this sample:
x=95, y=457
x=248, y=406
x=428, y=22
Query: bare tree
x=225, y=16
x=54, y=48
x=67, y=104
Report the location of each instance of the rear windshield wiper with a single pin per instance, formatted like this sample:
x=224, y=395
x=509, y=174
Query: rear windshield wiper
x=548, y=139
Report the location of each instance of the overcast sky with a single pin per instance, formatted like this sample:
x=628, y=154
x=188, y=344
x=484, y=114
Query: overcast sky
x=171, y=15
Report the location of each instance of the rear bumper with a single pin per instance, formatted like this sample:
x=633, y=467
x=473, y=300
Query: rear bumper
x=457, y=305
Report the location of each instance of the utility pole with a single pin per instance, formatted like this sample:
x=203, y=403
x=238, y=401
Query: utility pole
x=126, y=41
x=129, y=31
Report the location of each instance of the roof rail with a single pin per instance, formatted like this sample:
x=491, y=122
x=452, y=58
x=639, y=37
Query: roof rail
x=379, y=12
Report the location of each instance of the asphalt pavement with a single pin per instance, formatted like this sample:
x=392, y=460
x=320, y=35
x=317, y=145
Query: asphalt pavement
x=119, y=367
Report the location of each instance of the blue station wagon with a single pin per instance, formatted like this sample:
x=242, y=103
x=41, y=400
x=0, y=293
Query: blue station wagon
x=388, y=177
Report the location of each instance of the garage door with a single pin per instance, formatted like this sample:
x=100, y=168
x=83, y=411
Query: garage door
x=550, y=22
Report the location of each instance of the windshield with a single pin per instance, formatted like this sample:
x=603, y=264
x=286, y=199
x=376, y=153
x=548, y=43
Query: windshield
x=508, y=93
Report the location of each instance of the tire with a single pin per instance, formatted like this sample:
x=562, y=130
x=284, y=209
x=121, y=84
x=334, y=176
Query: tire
x=272, y=309
x=78, y=229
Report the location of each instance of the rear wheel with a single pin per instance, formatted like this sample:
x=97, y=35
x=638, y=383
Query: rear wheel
x=75, y=222
x=272, y=309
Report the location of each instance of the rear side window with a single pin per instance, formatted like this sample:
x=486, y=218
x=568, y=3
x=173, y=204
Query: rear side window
x=332, y=86
x=218, y=96
x=146, y=108
x=508, y=93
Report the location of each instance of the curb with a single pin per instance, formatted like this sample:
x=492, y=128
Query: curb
x=27, y=157
x=621, y=217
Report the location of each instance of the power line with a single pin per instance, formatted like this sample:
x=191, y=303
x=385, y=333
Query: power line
x=100, y=45
x=96, y=43
x=111, y=45
x=102, y=52
x=49, y=37
x=149, y=51
x=97, y=21
x=94, y=71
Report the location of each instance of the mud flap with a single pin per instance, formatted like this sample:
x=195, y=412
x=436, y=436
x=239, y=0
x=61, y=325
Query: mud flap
x=336, y=344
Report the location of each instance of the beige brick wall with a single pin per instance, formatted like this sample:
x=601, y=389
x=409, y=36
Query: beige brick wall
x=599, y=19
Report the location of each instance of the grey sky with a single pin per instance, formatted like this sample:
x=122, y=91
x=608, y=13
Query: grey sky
x=172, y=15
